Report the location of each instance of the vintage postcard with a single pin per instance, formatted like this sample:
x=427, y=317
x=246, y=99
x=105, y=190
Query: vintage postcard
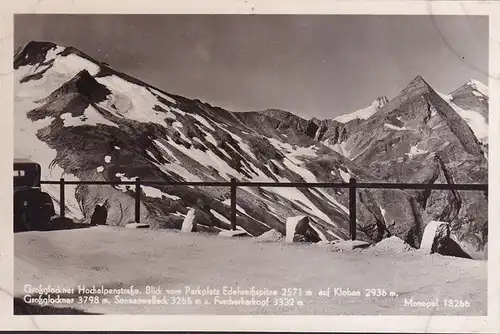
x=247, y=166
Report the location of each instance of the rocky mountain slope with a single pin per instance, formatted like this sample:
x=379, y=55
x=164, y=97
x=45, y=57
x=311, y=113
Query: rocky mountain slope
x=82, y=119
x=422, y=136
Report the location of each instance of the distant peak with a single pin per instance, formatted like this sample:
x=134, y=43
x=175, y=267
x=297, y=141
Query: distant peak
x=365, y=113
x=478, y=86
x=418, y=80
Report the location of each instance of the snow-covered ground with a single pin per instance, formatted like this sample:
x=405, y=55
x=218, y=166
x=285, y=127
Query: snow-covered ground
x=120, y=257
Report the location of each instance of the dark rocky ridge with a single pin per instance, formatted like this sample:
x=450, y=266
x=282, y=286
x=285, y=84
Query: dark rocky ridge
x=33, y=53
x=84, y=84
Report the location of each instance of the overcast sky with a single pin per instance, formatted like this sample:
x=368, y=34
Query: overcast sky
x=312, y=65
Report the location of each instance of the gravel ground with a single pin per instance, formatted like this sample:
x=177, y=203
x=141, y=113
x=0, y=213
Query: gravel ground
x=169, y=260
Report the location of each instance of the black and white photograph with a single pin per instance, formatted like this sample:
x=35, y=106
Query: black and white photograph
x=207, y=164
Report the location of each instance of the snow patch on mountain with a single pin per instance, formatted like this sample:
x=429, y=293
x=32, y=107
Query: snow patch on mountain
x=291, y=225
x=90, y=117
x=239, y=208
x=316, y=135
x=229, y=233
x=123, y=178
x=72, y=64
x=295, y=195
x=382, y=210
x=433, y=110
x=166, y=149
x=302, y=151
x=280, y=145
x=393, y=127
x=291, y=194
x=474, y=119
x=132, y=101
x=293, y=152
x=62, y=69
x=220, y=217
x=321, y=235
x=279, y=178
x=280, y=166
x=151, y=155
x=344, y=175
x=28, y=146
x=234, y=136
x=247, y=149
x=156, y=193
x=179, y=170
x=52, y=53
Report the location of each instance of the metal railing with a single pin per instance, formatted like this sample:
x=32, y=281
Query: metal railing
x=234, y=184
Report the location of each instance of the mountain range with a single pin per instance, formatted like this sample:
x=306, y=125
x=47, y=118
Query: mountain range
x=85, y=120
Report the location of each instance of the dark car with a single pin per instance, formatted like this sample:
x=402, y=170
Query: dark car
x=33, y=208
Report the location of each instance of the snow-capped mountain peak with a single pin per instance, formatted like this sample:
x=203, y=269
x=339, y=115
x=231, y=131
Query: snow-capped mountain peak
x=364, y=113
x=478, y=86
